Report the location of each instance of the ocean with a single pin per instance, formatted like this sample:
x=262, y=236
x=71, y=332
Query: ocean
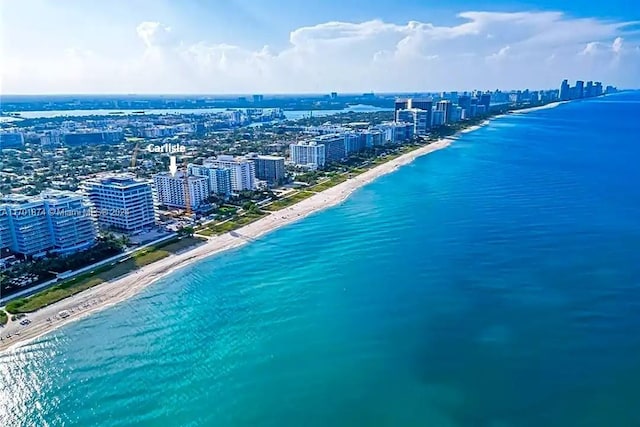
x=495, y=283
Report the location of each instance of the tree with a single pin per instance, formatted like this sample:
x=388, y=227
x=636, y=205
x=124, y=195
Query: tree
x=186, y=231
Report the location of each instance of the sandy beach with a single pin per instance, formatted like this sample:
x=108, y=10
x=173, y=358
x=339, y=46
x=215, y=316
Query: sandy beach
x=542, y=107
x=118, y=290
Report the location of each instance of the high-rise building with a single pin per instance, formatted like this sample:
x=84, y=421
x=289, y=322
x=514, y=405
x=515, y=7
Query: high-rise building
x=464, y=101
x=90, y=137
x=11, y=140
x=588, y=90
x=243, y=173
x=59, y=222
x=597, y=88
x=445, y=106
x=395, y=132
x=269, y=168
x=413, y=103
x=420, y=119
x=335, y=149
x=400, y=104
x=485, y=99
x=565, y=91
x=421, y=104
x=353, y=143
x=171, y=190
x=371, y=137
x=456, y=114
x=308, y=154
x=579, y=89
x=219, y=179
x=122, y=202
x=437, y=118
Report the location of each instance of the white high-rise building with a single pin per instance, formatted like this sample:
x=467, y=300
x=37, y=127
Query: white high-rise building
x=420, y=119
x=219, y=179
x=395, y=132
x=243, y=173
x=308, y=154
x=171, y=191
x=122, y=202
x=55, y=221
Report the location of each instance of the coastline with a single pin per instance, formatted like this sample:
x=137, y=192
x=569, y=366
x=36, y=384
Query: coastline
x=541, y=107
x=116, y=291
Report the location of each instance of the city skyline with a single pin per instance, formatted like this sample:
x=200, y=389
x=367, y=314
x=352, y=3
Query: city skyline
x=243, y=47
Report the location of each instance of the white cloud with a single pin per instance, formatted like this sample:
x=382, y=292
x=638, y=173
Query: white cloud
x=154, y=34
x=617, y=45
x=486, y=50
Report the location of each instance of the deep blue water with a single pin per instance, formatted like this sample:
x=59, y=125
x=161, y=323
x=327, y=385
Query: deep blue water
x=494, y=283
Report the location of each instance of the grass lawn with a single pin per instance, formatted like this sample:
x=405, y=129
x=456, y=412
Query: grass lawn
x=232, y=224
x=288, y=201
x=3, y=317
x=98, y=276
x=330, y=183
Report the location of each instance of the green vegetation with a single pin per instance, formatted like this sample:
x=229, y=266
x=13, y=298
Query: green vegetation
x=103, y=274
x=288, y=201
x=3, y=317
x=331, y=182
x=47, y=268
x=232, y=224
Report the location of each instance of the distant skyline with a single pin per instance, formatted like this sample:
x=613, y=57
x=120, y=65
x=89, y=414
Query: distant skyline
x=252, y=46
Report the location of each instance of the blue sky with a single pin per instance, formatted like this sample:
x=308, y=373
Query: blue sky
x=244, y=46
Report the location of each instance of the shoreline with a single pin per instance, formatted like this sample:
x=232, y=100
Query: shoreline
x=110, y=293
x=540, y=107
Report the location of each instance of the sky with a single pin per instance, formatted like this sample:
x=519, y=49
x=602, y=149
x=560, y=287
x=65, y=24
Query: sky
x=313, y=46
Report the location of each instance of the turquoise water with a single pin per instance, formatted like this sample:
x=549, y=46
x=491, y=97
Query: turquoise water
x=494, y=283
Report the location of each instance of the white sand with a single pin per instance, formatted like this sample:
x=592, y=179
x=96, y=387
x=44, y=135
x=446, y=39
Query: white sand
x=542, y=107
x=118, y=290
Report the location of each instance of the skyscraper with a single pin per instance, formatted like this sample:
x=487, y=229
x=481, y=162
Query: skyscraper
x=588, y=90
x=413, y=103
x=400, y=104
x=464, y=101
x=579, y=89
x=565, y=91
x=597, y=88
x=485, y=99
x=445, y=106
x=420, y=119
